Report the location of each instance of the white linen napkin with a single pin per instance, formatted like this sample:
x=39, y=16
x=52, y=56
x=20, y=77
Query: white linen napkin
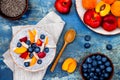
x=51, y=23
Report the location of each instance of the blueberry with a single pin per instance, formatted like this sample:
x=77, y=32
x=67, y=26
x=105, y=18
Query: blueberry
x=104, y=59
x=31, y=55
x=94, y=63
x=91, y=74
x=98, y=57
x=84, y=70
x=46, y=49
x=89, y=66
x=33, y=46
x=106, y=75
x=89, y=60
x=42, y=36
x=99, y=62
x=109, y=69
x=103, y=71
x=91, y=79
x=87, y=45
x=87, y=38
x=97, y=70
x=26, y=64
x=30, y=49
x=102, y=67
x=101, y=78
x=109, y=47
x=95, y=78
x=107, y=63
x=19, y=44
x=92, y=69
x=28, y=42
x=37, y=49
x=84, y=66
x=85, y=74
x=93, y=57
x=39, y=61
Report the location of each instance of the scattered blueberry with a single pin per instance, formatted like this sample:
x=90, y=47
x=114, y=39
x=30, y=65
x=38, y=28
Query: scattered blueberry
x=87, y=45
x=37, y=49
x=84, y=70
x=89, y=60
x=107, y=63
x=28, y=42
x=91, y=79
x=98, y=57
x=30, y=49
x=39, y=61
x=31, y=55
x=93, y=57
x=19, y=44
x=102, y=67
x=95, y=77
x=42, y=36
x=109, y=69
x=46, y=49
x=26, y=64
x=85, y=66
x=104, y=59
x=87, y=37
x=109, y=47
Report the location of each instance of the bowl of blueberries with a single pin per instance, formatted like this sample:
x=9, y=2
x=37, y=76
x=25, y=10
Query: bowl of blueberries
x=96, y=67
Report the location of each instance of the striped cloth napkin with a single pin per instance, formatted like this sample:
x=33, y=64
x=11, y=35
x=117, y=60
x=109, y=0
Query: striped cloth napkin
x=51, y=23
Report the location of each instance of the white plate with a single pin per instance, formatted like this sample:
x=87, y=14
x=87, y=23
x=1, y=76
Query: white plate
x=45, y=61
x=100, y=30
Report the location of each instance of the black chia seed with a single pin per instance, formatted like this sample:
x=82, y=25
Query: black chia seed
x=12, y=8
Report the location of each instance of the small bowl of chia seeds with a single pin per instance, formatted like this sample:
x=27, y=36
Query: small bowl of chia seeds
x=13, y=9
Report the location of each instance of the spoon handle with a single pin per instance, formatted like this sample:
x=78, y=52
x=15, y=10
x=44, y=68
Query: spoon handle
x=58, y=57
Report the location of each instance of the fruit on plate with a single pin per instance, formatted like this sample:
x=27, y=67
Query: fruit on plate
x=109, y=1
x=63, y=6
x=23, y=39
x=97, y=67
x=20, y=50
x=89, y=4
x=115, y=8
x=69, y=65
x=33, y=61
x=109, y=22
x=102, y=8
x=92, y=18
x=118, y=22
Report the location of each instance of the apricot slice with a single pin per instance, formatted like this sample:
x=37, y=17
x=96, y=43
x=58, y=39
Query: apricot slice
x=20, y=50
x=89, y=4
x=115, y=8
x=69, y=65
x=31, y=36
x=102, y=8
x=33, y=61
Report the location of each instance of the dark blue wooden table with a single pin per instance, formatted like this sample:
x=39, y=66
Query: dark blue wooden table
x=37, y=10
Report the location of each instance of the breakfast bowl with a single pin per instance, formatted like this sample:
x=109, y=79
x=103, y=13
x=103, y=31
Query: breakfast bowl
x=13, y=9
x=32, y=49
x=96, y=67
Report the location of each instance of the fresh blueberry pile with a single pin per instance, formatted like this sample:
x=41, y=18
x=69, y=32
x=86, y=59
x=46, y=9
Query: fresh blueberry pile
x=97, y=67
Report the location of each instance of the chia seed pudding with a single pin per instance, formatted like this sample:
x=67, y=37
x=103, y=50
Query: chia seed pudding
x=12, y=8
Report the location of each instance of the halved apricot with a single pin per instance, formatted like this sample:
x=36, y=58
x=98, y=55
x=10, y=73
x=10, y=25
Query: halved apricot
x=102, y=8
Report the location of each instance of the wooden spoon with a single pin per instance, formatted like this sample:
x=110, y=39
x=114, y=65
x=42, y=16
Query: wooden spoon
x=68, y=38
